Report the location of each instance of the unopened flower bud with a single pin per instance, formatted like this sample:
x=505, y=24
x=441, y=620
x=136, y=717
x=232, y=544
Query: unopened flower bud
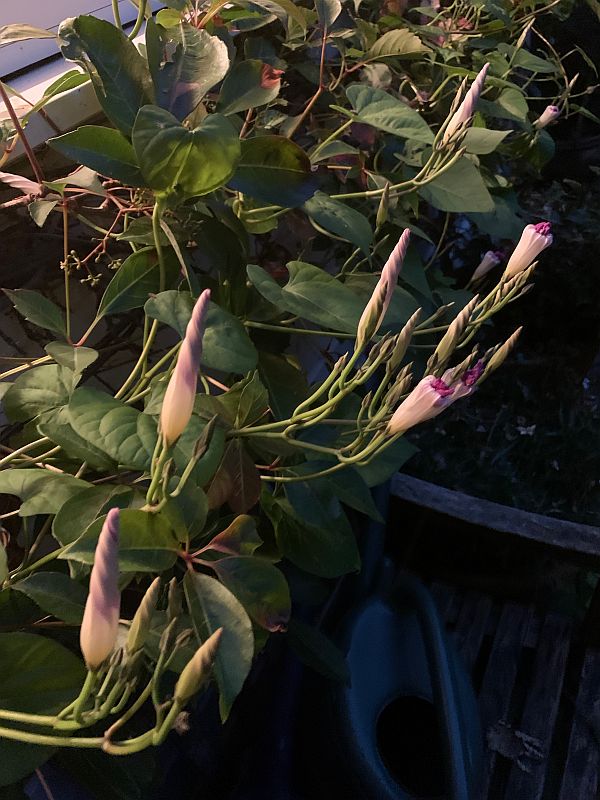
x=197, y=670
x=384, y=203
x=451, y=338
x=500, y=355
x=174, y=600
x=140, y=624
x=463, y=115
x=428, y=399
x=99, y=628
x=490, y=260
x=402, y=342
x=178, y=402
x=270, y=78
x=534, y=239
x=548, y=115
x=376, y=308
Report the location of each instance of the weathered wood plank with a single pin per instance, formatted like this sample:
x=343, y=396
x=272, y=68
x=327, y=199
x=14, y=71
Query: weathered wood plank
x=499, y=678
x=541, y=707
x=471, y=626
x=580, y=777
x=557, y=532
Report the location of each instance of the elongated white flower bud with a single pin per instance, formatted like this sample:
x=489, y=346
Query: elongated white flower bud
x=178, y=402
x=548, y=115
x=490, y=260
x=534, y=239
x=100, y=623
x=196, y=671
x=464, y=113
x=378, y=304
x=428, y=399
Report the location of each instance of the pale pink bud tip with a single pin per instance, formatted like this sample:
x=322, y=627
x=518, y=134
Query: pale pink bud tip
x=545, y=228
x=548, y=115
x=270, y=77
x=100, y=623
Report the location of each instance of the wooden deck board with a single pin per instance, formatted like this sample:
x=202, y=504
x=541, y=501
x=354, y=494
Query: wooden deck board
x=500, y=676
x=471, y=626
x=541, y=707
x=580, y=777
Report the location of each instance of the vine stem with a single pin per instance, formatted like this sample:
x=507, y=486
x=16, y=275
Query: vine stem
x=65, y=216
x=116, y=14
x=35, y=165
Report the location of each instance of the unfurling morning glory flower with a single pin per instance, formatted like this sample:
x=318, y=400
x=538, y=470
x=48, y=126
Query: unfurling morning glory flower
x=464, y=113
x=178, y=402
x=490, y=260
x=534, y=239
x=467, y=383
x=100, y=623
x=375, y=310
x=548, y=115
x=270, y=78
x=428, y=399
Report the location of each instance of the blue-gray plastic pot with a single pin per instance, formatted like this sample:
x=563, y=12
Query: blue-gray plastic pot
x=407, y=725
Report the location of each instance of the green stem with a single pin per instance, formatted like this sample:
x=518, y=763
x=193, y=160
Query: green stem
x=157, y=213
x=20, y=573
x=305, y=331
x=157, y=474
x=330, y=138
x=48, y=740
x=140, y=18
x=24, y=449
x=86, y=690
x=140, y=362
x=65, y=216
x=116, y=14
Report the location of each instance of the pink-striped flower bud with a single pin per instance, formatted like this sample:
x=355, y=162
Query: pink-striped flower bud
x=428, y=399
x=490, y=260
x=178, y=402
x=100, y=623
x=378, y=304
x=270, y=78
x=534, y=239
x=464, y=113
x=548, y=115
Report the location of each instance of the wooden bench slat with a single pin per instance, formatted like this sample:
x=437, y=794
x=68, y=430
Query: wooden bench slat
x=541, y=707
x=580, y=777
x=471, y=626
x=499, y=678
x=547, y=530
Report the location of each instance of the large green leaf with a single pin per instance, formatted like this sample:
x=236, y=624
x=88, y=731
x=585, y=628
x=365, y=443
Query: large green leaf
x=242, y=88
x=38, y=390
x=39, y=676
x=122, y=432
x=187, y=162
x=55, y=593
x=226, y=345
x=55, y=424
x=41, y=491
x=37, y=309
x=340, y=219
x=213, y=606
x=185, y=62
x=460, y=188
x=283, y=9
x=136, y=279
x=146, y=542
x=103, y=149
x=260, y=587
x=313, y=294
x=397, y=43
x=482, y=141
x=82, y=509
x=236, y=481
x=285, y=382
x=327, y=548
x=76, y=359
x=347, y=485
x=118, y=71
x=385, y=112
x=328, y=11
x=274, y=170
